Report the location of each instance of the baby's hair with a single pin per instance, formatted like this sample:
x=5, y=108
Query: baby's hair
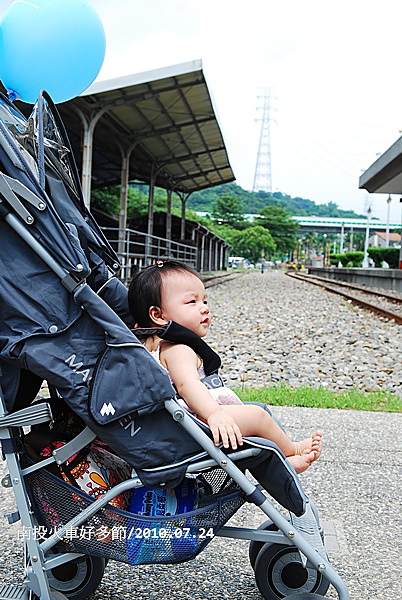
x=145, y=288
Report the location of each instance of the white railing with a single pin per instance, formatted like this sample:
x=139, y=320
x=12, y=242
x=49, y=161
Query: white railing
x=136, y=249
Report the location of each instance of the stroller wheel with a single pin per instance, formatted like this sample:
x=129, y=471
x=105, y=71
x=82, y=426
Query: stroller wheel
x=54, y=595
x=79, y=578
x=279, y=573
x=255, y=547
x=305, y=597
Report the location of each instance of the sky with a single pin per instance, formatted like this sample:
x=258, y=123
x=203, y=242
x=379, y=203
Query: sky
x=332, y=68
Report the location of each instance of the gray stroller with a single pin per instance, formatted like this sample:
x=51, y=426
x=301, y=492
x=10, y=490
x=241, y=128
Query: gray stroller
x=105, y=464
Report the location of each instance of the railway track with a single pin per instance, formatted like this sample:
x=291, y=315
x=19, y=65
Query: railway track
x=376, y=301
x=212, y=280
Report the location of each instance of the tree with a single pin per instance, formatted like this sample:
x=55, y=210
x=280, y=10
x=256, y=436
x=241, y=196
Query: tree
x=108, y=200
x=228, y=210
x=281, y=227
x=255, y=242
x=137, y=203
x=226, y=232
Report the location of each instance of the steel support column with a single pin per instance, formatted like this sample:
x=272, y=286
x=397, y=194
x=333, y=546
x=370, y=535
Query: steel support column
x=125, y=171
x=89, y=124
x=150, y=229
x=202, y=252
x=183, y=218
x=169, y=217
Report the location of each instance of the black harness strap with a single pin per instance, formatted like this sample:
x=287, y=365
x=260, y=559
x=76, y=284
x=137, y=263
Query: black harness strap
x=173, y=332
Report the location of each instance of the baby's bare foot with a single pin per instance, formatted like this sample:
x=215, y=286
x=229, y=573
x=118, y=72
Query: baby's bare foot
x=316, y=443
x=313, y=443
x=301, y=462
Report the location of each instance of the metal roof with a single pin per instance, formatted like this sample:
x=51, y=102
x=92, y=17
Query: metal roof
x=164, y=118
x=385, y=174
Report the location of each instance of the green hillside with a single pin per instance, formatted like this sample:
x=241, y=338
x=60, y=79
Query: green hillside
x=107, y=199
x=253, y=202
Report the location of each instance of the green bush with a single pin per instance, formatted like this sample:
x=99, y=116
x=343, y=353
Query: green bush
x=353, y=259
x=389, y=255
x=334, y=259
x=344, y=260
x=349, y=259
x=377, y=255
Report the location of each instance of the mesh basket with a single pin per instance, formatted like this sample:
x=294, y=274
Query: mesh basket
x=126, y=537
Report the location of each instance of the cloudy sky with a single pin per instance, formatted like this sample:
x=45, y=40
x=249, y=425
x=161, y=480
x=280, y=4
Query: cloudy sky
x=333, y=69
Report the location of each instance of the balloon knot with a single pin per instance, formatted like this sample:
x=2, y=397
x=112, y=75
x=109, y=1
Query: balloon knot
x=12, y=95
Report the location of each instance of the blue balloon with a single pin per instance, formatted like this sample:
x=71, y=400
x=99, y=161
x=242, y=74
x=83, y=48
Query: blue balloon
x=52, y=45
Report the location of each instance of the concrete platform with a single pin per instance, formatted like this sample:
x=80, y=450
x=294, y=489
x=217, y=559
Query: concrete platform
x=388, y=279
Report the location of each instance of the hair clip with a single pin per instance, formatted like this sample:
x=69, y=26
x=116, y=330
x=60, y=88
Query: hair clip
x=159, y=263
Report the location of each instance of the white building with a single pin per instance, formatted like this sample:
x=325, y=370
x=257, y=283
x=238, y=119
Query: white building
x=378, y=240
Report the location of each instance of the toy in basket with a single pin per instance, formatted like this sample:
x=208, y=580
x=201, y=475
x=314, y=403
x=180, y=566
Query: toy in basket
x=159, y=532
x=94, y=470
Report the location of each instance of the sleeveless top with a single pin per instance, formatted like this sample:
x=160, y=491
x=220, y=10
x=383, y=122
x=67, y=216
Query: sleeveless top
x=221, y=395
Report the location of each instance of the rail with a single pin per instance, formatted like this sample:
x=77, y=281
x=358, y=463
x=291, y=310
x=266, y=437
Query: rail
x=213, y=280
x=342, y=289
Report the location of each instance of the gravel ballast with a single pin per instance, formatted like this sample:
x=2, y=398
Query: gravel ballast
x=272, y=329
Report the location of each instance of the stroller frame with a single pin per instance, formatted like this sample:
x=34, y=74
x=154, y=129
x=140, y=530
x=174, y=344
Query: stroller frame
x=40, y=562
x=301, y=533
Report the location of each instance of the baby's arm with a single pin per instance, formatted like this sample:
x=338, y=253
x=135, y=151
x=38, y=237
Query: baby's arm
x=182, y=364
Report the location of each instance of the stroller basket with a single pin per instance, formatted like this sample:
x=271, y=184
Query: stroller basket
x=127, y=537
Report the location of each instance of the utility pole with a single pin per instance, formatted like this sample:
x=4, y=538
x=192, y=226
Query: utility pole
x=389, y=199
x=262, y=176
x=400, y=251
x=365, y=263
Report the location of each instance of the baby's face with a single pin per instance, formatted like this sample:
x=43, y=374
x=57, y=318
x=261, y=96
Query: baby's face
x=184, y=301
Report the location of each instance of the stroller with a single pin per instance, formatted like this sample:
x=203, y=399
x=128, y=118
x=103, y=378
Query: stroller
x=104, y=463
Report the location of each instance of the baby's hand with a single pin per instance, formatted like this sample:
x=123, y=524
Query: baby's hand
x=224, y=427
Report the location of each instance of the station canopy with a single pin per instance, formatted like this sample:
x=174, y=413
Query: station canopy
x=164, y=120
x=385, y=174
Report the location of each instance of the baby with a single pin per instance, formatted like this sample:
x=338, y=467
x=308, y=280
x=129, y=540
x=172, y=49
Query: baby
x=173, y=291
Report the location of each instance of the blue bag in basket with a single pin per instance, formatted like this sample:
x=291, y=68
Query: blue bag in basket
x=168, y=539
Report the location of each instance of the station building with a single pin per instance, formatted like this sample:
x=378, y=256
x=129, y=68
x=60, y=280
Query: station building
x=159, y=128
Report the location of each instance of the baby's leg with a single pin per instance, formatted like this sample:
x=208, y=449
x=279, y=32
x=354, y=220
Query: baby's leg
x=255, y=421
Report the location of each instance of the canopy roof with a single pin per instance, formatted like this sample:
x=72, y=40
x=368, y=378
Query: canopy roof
x=163, y=119
x=385, y=174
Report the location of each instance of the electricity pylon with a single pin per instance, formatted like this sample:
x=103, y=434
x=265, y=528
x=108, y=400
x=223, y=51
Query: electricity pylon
x=262, y=175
